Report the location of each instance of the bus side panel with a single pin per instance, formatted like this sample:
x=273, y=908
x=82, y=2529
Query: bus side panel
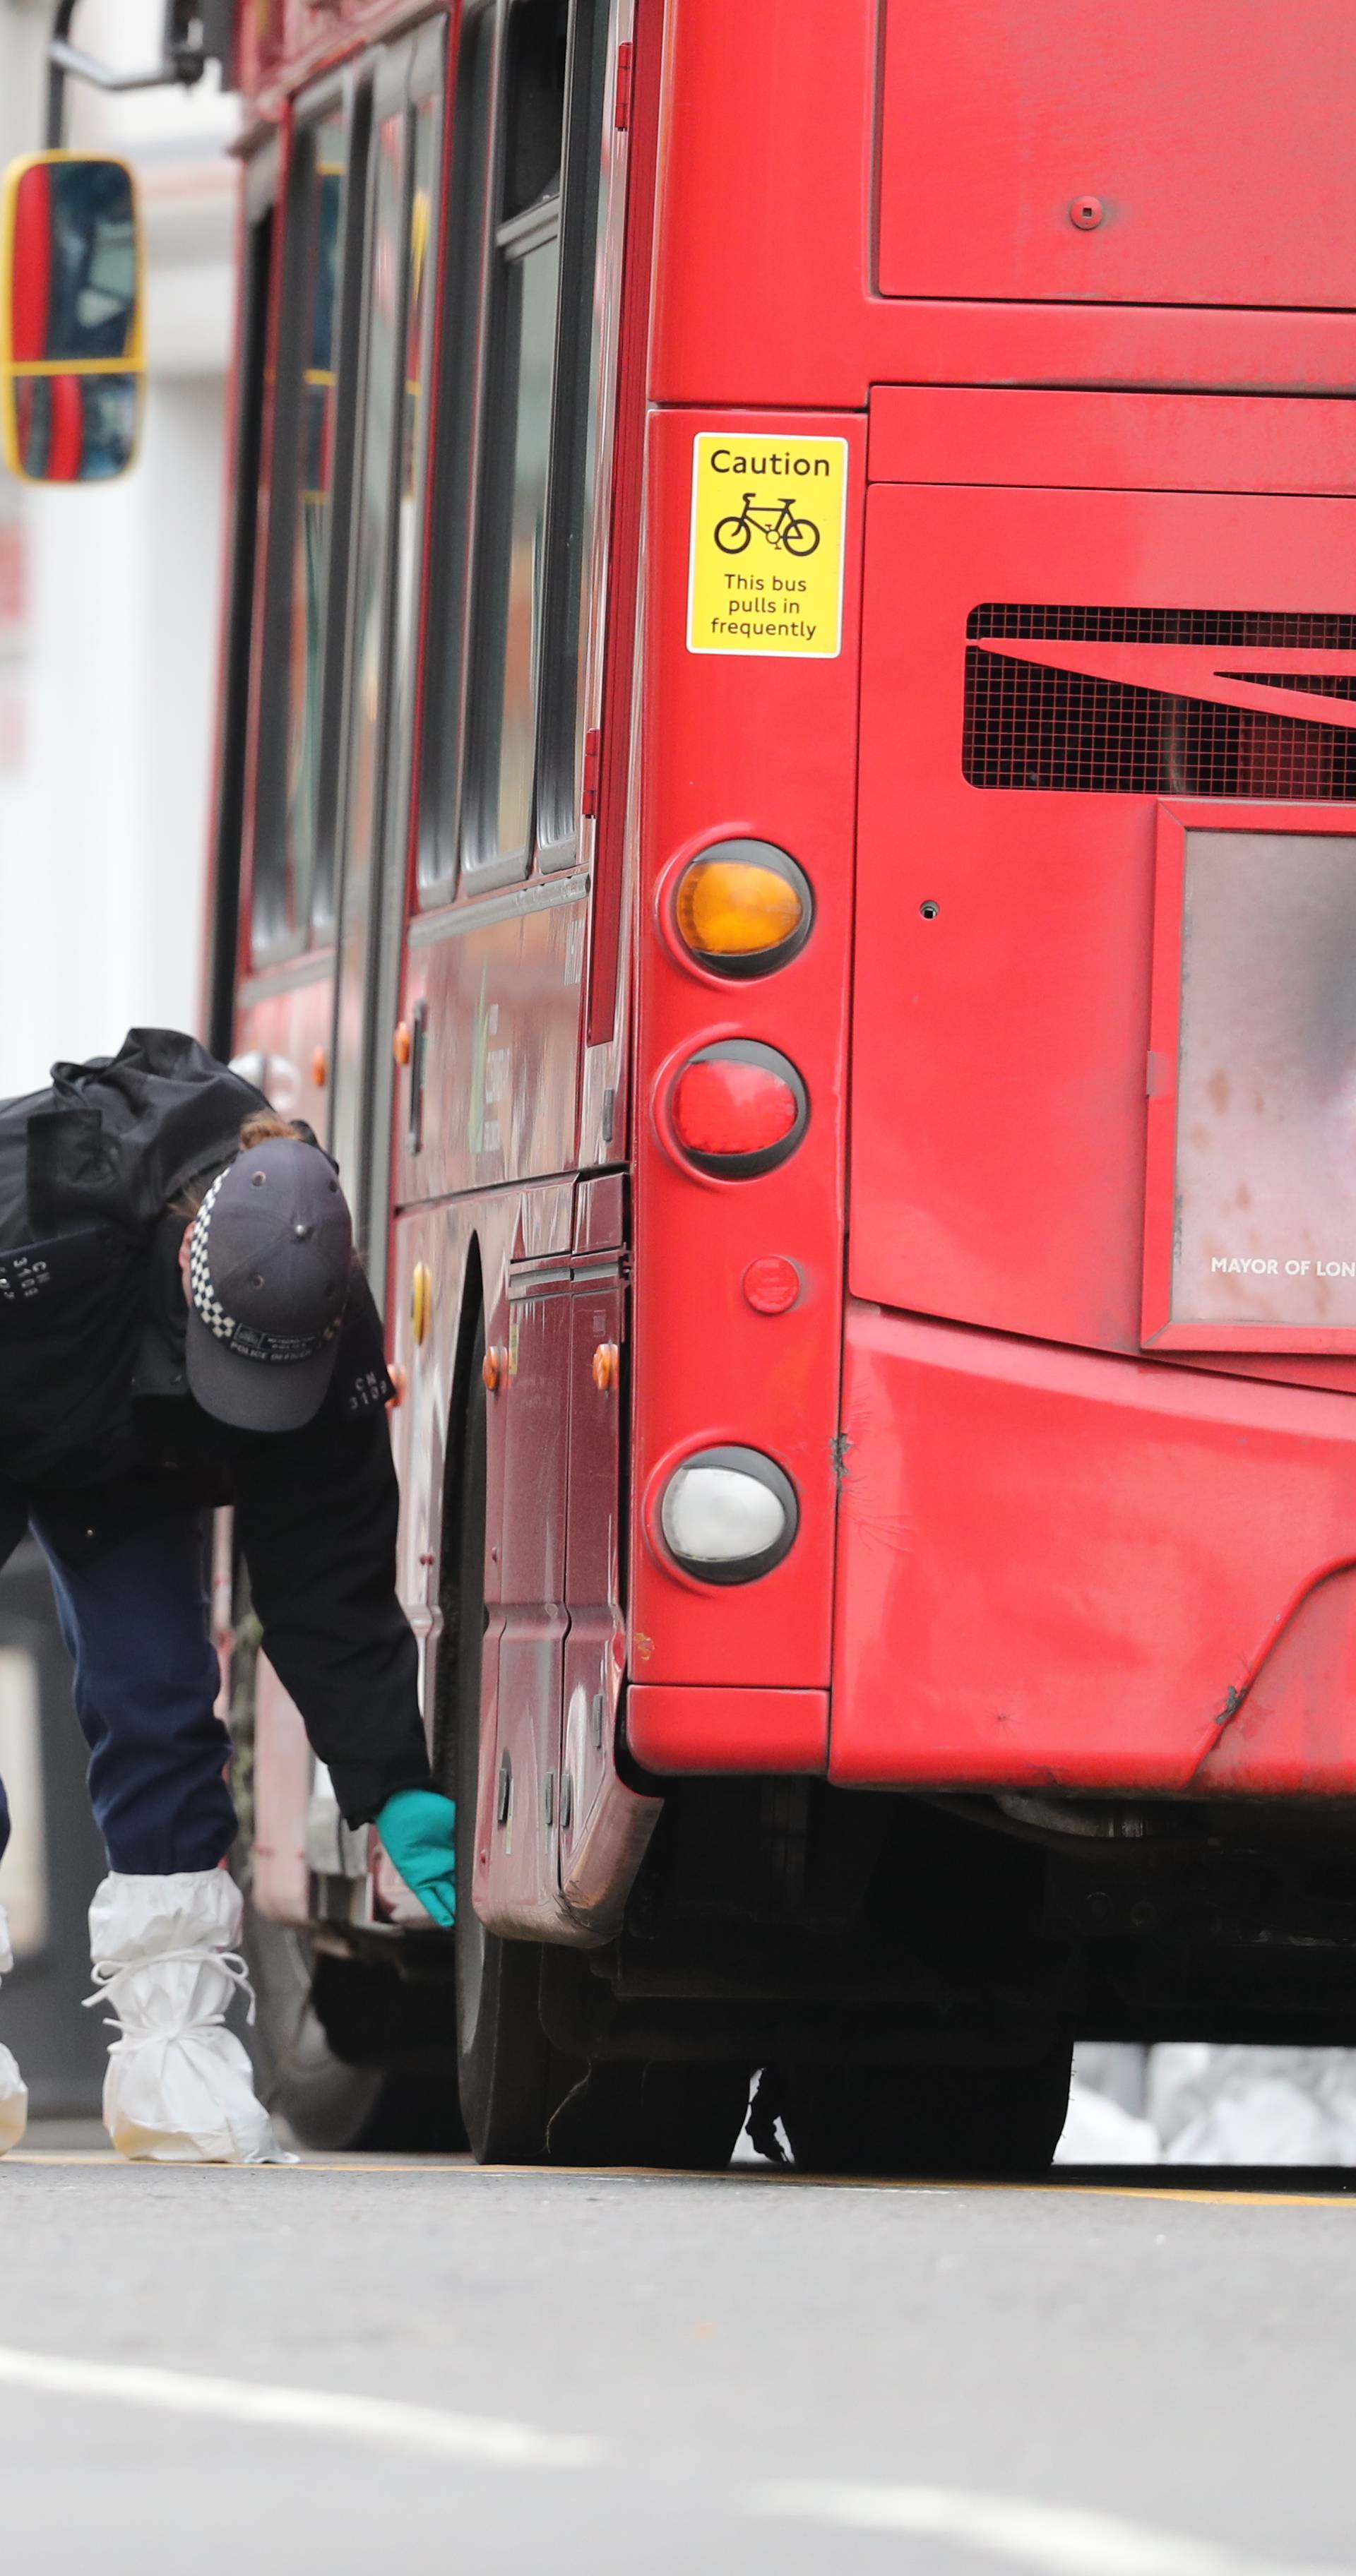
x=1154, y=155
x=559, y=1835
x=766, y=182
x=779, y=161
x=604, y=1826
x=764, y=746
x=287, y=1022
x=1293, y=1735
x=1001, y=1021
x=529, y=1427
x=1059, y=1569
x=499, y=982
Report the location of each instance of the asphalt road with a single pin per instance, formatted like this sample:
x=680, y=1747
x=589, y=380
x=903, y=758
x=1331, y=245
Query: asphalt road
x=349, y=2367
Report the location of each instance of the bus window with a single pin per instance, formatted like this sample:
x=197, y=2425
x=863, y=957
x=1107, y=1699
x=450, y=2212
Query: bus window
x=520, y=386
x=518, y=448
x=373, y=521
x=542, y=379
x=260, y=192
x=470, y=140
x=529, y=350
x=399, y=304
x=574, y=451
x=288, y=833
x=535, y=47
x=419, y=308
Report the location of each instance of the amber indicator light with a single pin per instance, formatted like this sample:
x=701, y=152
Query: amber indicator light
x=743, y=908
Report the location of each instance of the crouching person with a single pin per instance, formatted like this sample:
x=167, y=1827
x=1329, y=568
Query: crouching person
x=183, y=1323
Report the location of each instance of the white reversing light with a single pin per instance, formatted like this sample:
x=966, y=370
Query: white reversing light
x=728, y=1514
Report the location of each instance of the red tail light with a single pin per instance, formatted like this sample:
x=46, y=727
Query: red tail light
x=738, y=1108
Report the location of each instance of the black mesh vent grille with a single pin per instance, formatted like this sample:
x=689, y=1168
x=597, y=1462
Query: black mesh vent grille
x=1320, y=684
x=1068, y=733
x=1264, y=627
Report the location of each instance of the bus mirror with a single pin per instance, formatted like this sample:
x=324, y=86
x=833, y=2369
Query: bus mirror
x=70, y=318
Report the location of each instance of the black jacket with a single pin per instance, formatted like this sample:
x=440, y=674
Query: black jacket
x=98, y=1434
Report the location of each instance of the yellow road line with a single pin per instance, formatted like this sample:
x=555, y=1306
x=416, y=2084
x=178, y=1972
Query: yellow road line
x=1185, y=2191
x=61, y=2156
x=451, y=2166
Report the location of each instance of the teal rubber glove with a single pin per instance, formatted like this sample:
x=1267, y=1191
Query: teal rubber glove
x=419, y=1830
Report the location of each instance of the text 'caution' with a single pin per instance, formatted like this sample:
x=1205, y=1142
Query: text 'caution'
x=766, y=570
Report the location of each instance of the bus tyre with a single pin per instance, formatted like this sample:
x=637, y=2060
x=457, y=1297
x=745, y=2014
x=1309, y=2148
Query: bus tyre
x=682, y=2116
x=929, y=2122
x=507, y=2073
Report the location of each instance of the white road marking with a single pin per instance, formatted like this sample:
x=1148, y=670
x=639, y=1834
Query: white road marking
x=1061, y=2540
x=382, y=2420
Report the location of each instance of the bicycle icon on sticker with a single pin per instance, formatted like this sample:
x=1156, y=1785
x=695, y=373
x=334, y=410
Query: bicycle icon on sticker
x=775, y=520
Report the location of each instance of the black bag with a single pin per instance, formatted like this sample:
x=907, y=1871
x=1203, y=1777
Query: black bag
x=87, y=1168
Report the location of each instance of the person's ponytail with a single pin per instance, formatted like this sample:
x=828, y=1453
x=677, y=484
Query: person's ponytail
x=263, y=1126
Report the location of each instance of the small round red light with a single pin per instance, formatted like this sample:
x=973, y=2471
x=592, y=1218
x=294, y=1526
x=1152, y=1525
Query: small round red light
x=736, y=1109
x=723, y=1107
x=772, y=1285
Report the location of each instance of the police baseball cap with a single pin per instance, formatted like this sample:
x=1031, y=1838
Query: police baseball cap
x=268, y=1271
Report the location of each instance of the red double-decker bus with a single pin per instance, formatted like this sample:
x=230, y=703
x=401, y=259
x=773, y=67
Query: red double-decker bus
x=788, y=810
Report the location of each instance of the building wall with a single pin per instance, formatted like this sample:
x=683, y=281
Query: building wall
x=109, y=609
x=110, y=600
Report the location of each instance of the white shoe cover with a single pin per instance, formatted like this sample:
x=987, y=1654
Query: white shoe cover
x=13, y=2092
x=179, y=2088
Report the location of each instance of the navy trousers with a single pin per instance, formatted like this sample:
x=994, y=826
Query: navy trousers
x=146, y=1678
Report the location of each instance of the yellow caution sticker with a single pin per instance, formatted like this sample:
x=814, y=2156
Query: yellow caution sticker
x=766, y=568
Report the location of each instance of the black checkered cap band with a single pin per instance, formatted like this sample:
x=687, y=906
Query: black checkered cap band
x=246, y=1341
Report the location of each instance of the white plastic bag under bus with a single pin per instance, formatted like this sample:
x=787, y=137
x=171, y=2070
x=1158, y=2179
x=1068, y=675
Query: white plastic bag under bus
x=179, y=2087
x=1253, y=2106
x=13, y=2091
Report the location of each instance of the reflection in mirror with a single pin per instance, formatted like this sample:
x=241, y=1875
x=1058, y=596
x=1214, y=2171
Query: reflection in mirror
x=70, y=428
x=70, y=320
x=72, y=287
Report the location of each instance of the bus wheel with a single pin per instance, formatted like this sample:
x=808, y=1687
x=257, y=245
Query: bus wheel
x=996, y=2122
x=326, y=2100
x=681, y=2116
x=506, y=2068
